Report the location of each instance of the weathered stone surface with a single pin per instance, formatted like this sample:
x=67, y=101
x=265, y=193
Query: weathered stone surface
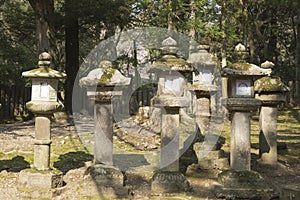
x=267, y=65
x=270, y=84
x=41, y=180
x=38, y=185
x=203, y=114
x=169, y=182
x=42, y=155
x=106, y=176
x=44, y=70
x=169, y=45
x=170, y=84
x=155, y=119
x=240, y=147
x=243, y=185
x=290, y=192
x=105, y=77
x=271, y=99
x=169, y=154
x=268, y=135
x=247, y=193
x=103, y=146
x=240, y=179
x=241, y=104
x=42, y=143
x=42, y=107
x=168, y=101
x=210, y=159
x=170, y=62
x=144, y=112
x=245, y=69
x=42, y=128
x=222, y=164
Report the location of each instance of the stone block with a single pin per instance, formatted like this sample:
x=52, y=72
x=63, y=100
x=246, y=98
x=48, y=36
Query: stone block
x=290, y=192
x=106, y=176
x=222, y=164
x=244, y=185
x=207, y=163
x=169, y=182
x=240, y=179
x=155, y=119
x=39, y=184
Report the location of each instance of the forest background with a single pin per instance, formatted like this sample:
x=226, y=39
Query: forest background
x=69, y=30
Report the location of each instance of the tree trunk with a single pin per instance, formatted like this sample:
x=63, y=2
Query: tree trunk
x=298, y=58
x=170, y=18
x=44, y=10
x=72, y=53
x=192, y=33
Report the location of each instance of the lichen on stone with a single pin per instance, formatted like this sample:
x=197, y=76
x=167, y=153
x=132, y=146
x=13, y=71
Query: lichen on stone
x=171, y=63
x=269, y=84
x=106, y=76
x=45, y=72
x=240, y=66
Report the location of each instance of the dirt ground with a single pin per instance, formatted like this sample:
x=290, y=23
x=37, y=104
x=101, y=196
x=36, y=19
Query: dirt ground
x=71, y=157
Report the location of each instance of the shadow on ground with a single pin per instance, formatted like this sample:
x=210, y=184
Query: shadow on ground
x=16, y=164
x=72, y=160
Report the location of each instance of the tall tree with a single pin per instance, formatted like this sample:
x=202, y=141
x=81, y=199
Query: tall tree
x=298, y=56
x=17, y=41
x=44, y=10
x=72, y=50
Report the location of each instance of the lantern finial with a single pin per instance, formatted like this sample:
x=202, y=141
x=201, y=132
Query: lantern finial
x=44, y=60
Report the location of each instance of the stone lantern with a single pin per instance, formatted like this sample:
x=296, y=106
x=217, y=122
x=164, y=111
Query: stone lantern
x=203, y=86
x=240, y=103
x=170, y=97
x=272, y=92
x=43, y=104
x=102, y=86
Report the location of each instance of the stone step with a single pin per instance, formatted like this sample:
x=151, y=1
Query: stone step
x=290, y=192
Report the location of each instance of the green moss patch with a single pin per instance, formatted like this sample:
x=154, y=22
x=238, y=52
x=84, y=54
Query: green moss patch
x=106, y=76
x=240, y=66
x=269, y=84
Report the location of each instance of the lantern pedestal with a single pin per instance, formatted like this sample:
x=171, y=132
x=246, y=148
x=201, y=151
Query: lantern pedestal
x=36, y=184
x=271, y=92
x=170, y=97
x=102, y=90
x=240, y=181
x=40, y=181
x=168, y=179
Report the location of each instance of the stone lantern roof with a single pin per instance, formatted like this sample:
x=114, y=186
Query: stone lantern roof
x=105, y=77
x=169, y=61
x=44, y=70
x=243, y=68
x=270, y=85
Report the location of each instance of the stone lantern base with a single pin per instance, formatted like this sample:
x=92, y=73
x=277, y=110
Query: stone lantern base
x=169, y=182
x=108, y=179
x=244, y=185
x=40, y=184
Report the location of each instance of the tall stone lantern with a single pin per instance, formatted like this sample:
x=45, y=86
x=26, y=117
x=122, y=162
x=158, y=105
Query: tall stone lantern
x=203, y=85
x=102, y=86
x=272, y=92
x=240, y=103
x=43, y=104
x=170, y=97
